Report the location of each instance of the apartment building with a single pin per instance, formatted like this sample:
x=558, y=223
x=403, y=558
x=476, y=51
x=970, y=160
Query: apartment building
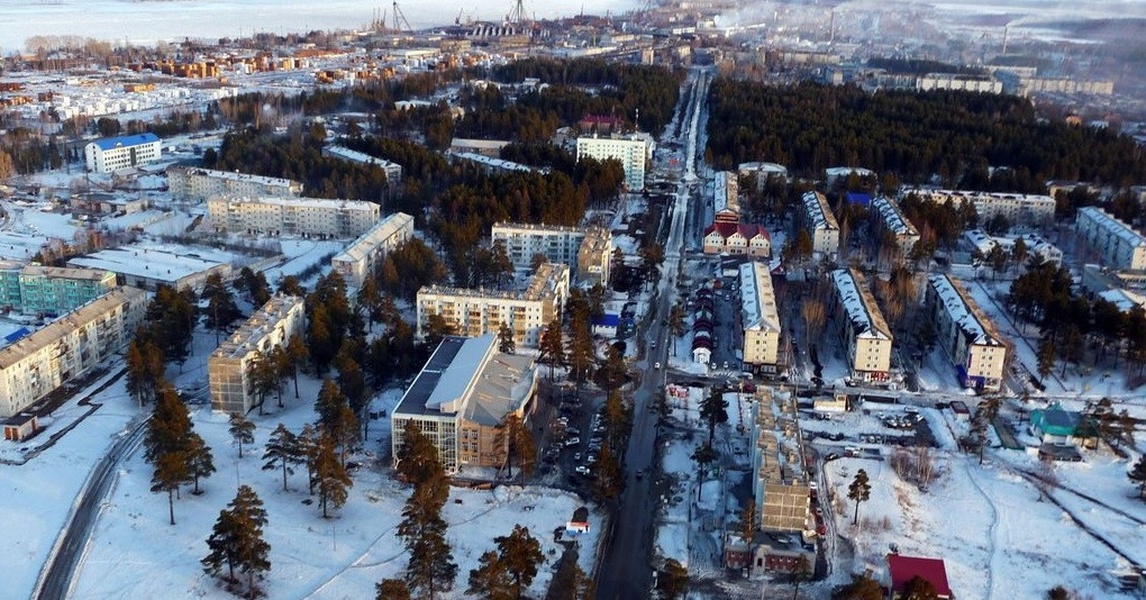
x=112, y=154
x=193, y=184
x=36, y=290
x=68, y=348
x=1037, y=246
x=821, y=224
x=361, y=258
x=725, y=198
x=863, y=329
x=392, y=169
x=589, y=250
x=272, y=326
x=306, y=217
x=1019, y=209
x=891, y=219
x=759, y=172
x=737, y=240
x=1119, y=244
x=759, y=317
x=634, y=151
x=474, y=313
x=464, y=392
x=959, y=81
x=969, y=338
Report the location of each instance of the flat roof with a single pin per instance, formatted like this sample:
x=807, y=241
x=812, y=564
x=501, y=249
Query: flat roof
x=125, y=141
x=150, y=263
x=233, y=176
x=66, y=273
x=298, y=201
x=446, y=376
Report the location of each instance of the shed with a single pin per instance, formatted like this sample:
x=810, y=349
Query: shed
x=21, y=427
x=905, y=568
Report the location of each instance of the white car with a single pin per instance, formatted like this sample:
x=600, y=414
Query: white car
x=573, y=441
x=657, y=365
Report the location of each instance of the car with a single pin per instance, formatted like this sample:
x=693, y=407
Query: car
x=573, y=441
x=582, y=470
x=657, y=365
x=572, y=431
x=577, y=457
x=653, y=345
x=592, y=458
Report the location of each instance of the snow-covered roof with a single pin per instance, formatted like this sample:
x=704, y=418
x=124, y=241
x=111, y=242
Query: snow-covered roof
x=234, y=176
x=818, y=212
x=978, y=198
x=497, y=163
x=763, y=167
x=964, y=312
x=126, y=141
x=892, y=217
x=859, y=304
x=379, y=234
x=725, y=192
x=324, y=203
x=248, y=336
x=1111, y=225
x=150, y=263
x=1123, y=299
x=757, y=299
x=359, y=157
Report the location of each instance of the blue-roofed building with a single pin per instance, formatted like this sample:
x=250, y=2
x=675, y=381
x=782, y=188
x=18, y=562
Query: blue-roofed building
x=606, y=325
x=112, y=154
x=859, y=198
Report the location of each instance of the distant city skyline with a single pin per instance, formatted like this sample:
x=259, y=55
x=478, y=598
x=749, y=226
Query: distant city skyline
x=145, y=23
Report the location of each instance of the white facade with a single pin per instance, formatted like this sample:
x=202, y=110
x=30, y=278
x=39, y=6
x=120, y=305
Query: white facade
x=966, y=335
x=474, y=313
x=193, y=184
x=863, y=328
x=227, y=368
x=68, y=348
x=758, y=315
x=360, y=259
x=112, y=154
x=1120, y=246
x=956, y=81
x=1019, y=209
x=523, y=241
x=634, y=152
x=821, y=224
x=307, y=217
x=1037, y=246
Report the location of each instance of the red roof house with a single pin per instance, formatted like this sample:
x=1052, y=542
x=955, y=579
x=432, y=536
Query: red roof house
x=905, y=568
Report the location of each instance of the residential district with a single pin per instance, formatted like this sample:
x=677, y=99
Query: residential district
x=609, y=307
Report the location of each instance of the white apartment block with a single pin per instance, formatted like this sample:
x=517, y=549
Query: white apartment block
x=863, y=328
x=1037, y=245
x=957, y=81
x=634, y=152
x=970, y=340
x=112, y=154
x=821, y=223
x=758, y=315
x=306, y=217
x=68, y=348
x=361, y=258
x=523, y=241
x=392, y=169
x=270, y=327
x=891, y=219
x=474, y=313
x=1119, y=245
x=1019, y=209
x=193, y=184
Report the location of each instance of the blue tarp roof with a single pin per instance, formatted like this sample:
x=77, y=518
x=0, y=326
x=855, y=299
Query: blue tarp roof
x=607, y=320
x=859, y=198
x=126, y=140
x=16, y=335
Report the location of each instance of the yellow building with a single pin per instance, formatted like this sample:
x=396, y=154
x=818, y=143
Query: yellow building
x=758, y=315
x=863, y=329
x=227, y=368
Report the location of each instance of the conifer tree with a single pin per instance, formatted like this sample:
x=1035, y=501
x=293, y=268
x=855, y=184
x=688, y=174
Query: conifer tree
x=237, y=540
x=859, y=491
x=298, y=354
x=392, y=589
x=552, y=346
x=490, y=580
x=520, y=555
x=221, y=309
x=282, y=451
x=166, y=444
x=328, y=404
x=513, y=441
x=200, y=462
x=1138, y=475
x=330, y=477
x=505, y=342
x=418, y=459
x=431, y=567
x=242, y=431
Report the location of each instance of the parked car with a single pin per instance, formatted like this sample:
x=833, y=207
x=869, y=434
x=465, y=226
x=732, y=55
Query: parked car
x=573, y=441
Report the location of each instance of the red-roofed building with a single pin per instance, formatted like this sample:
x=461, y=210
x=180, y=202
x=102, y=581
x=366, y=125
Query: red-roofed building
x=905, y=568
x=600, y=124
x=734, y=239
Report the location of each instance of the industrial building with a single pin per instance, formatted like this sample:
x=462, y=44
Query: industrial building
x=272, y=326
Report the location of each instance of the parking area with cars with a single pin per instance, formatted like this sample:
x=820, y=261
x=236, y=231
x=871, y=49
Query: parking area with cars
x=577, y=433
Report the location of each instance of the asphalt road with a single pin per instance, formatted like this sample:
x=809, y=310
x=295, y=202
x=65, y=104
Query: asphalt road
x=625, y=571
x=56, y=578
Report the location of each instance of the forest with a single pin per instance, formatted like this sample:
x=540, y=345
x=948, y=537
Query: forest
x=965, y=138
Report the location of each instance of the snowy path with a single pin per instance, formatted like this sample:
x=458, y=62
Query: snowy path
x=993, y=561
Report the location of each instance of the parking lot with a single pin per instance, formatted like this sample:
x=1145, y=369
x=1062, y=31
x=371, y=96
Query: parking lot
x=576, y=434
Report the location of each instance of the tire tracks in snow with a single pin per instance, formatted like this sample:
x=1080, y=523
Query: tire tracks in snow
x=994, y=531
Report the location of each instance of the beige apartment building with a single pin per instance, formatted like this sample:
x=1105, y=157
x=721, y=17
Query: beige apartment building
x=863, y=329
x=892, y=219
x=589, y=250
x=758, y=315
x=361, y=258
x=474, y=313
x=460, y=397
x=633, y=151
x=194, y=184
x=68, y=348
x=306, y=217
x=1119, y=245
x=821, y=224
x=969, y=338
x=1019, y=209
x=270, y=327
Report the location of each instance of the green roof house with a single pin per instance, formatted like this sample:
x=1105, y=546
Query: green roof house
x=1053, y=425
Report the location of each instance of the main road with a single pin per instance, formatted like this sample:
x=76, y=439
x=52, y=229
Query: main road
x=625, y=571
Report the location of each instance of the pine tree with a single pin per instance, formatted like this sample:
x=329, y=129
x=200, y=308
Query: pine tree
x=520, y=555
x=490, y=580
x=298, y=354
x=801, y=572
x=328, y=404
x=221, y=308
x=200, y=462
x=513, y=441
x=918, y=588
x=861, y=588
x=330, y=477
x=431, y=567
x=242, y=431
x=391, y=589
x=859, y=491
x=613, y=372
x=748, y=521
x=282, y=451
x=263, y=374
x=714, y=410
x=145, y=367
x=505, y=342
x=1138, y=475
x=166, y=444
x=418, y=459
x=237, y=540
x=672, y=581
x=552, y=347
x=308, y=450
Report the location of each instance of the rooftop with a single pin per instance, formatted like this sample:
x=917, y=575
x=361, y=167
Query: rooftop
x=67, y=324
x=893, y=217
x=299, y=202
x=233, y=176
x=818, y=212
x=540, y=286
x=246, y=338
x=125, y=141
x=150, y=263
x=964, y=312
x=353, y=155
x=860, y=305
x=497, y=163
x=65, y=273
x=757, y=300
x=905, y=568
x=384, y=230
x=538, y=228
x=1112, y=225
